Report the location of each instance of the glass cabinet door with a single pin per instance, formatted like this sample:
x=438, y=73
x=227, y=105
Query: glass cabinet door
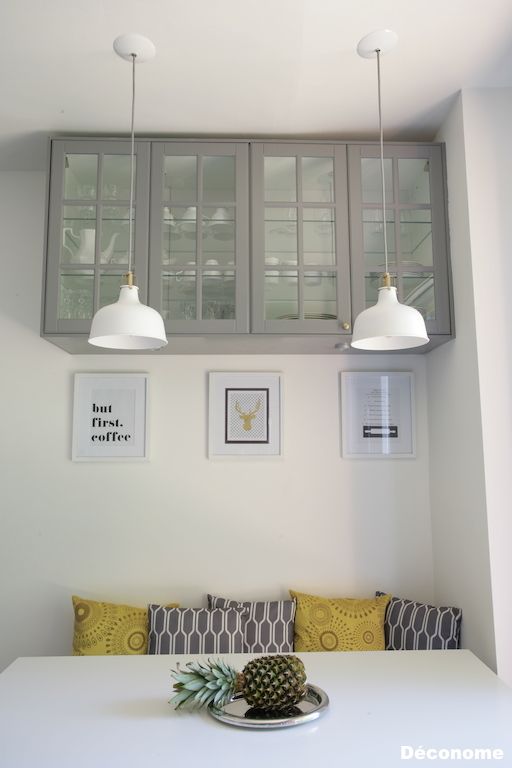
x=199, y=236
x=300, y=239
x=415, y=226
x=89, y=212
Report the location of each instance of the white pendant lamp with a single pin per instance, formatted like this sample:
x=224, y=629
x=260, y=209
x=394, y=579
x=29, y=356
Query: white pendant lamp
x=128, y=324
x=388, y=325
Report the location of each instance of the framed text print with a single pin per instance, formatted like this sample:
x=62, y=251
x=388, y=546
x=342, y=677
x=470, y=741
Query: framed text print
x=377, y=415
x=110, y=417
x=244, y=414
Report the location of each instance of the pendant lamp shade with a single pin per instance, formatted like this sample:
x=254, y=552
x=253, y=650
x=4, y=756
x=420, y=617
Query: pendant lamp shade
x=389, y=325
x=127, y=324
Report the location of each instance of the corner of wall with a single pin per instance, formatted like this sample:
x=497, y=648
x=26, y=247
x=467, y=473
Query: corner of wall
x=457, y=479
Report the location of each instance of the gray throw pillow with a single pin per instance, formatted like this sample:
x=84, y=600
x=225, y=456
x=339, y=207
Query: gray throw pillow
x=195, y=630
x=268, y=625
x=413, y=626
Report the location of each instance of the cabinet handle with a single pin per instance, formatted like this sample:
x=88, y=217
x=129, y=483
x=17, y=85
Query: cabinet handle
x=345, y=326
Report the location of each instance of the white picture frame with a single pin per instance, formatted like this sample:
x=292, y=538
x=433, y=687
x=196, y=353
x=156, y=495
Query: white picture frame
x=377, y=415
x=244, y=414
x=110, y=417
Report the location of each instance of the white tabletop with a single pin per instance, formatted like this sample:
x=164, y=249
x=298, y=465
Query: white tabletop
x=103, y=712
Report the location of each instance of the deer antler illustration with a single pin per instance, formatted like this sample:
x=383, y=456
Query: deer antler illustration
x=249, y=416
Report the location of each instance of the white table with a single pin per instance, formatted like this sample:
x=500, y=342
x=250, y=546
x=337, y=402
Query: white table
x=104, y=712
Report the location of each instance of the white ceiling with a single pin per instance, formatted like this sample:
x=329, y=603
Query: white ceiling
x=240, y=67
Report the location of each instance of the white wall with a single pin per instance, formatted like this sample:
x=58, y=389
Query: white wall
x=180, y=525
x=487, y=121
x=470, y=383
x=457, y=477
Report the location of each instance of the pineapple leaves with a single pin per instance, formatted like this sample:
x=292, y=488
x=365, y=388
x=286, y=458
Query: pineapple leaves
x=194, y=685
x=179, y=698
x=203, y=684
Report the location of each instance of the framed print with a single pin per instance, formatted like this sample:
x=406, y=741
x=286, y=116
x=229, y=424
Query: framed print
x=377, y=415
x=244, y=414
x=110, y=417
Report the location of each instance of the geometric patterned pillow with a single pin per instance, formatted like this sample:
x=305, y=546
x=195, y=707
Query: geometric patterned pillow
x=339, y=624
x=268, y=625
x=412, y=626
x=109, y=628
x=195, y=630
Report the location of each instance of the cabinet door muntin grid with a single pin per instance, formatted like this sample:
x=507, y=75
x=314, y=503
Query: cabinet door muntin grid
x=199, y=236
x=87, y=244
x=416, y=228
x=299, y=238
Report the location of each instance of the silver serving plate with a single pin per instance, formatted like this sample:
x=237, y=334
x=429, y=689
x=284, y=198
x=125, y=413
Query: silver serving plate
x=238, y=712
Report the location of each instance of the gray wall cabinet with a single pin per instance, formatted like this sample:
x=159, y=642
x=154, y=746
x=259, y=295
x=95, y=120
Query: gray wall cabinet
x=199, y=237
x=300, y=240
x=244, y=246
x=416, y=229
x=87, y=230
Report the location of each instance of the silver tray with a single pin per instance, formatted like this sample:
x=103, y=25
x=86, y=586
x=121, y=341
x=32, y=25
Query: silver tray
x=238, y=712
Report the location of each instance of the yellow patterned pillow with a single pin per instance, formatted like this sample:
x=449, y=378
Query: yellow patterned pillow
x=109, y=628
x=339, y=624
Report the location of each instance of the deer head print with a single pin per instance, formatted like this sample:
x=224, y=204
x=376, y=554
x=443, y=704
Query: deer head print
x=248, y=416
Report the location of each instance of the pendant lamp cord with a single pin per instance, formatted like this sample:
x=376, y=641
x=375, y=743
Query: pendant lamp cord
x=381, y=133
x=132, y=168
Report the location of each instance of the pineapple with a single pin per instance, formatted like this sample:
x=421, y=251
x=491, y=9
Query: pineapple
x=267, y=682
